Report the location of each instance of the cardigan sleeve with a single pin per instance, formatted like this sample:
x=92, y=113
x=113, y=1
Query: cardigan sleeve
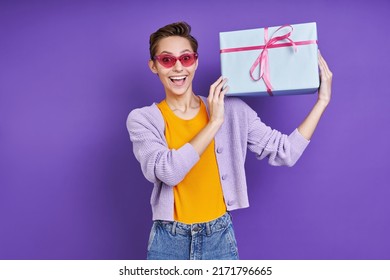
x=158, y=162
x=279, y=148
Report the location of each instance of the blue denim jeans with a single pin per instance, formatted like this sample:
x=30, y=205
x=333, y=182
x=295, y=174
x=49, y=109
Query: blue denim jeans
x=213, y=240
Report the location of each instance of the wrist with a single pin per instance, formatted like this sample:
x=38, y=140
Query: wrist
x=215, y=123
x=323, y=103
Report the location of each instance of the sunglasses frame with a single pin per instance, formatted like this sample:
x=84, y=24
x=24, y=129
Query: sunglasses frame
x=176, y=58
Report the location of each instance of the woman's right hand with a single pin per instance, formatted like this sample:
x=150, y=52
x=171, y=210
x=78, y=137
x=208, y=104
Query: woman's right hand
x=216, y=116
x=216, y=100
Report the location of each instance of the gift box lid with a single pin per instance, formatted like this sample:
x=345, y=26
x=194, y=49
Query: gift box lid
x=292, y=70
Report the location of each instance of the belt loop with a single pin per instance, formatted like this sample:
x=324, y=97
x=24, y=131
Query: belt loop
x=173, y=230
x=208, y=229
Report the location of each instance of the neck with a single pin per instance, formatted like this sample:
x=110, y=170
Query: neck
x=183, y=103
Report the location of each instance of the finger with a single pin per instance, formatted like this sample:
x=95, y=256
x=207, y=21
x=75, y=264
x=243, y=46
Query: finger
x=219, y=87
x=225, y=87
x=213, y=87
x=324, y=72
x=222, y=94
x=320, y=61
x=323, y=65
x=217, y=82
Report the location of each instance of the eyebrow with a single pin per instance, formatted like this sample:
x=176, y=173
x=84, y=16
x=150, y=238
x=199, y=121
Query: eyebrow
x=184, y=51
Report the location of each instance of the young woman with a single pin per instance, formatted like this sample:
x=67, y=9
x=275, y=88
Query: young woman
x=193, y=149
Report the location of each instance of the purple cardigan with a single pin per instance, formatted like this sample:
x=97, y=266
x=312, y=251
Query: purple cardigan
x=241, y=129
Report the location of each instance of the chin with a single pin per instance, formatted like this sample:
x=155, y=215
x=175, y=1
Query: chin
x=179, y=92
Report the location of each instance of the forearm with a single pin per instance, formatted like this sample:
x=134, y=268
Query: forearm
x=203, y=139
x=216, y=116
x=309, y=124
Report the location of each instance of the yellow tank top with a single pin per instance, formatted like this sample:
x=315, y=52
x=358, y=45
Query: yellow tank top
x=199, y=197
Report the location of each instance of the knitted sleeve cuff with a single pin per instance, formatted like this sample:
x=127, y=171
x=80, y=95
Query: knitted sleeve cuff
x=190, y=155
x=298, y=142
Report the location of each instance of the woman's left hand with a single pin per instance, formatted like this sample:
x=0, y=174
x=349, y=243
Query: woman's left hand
x=309, y=124
x=325, y=90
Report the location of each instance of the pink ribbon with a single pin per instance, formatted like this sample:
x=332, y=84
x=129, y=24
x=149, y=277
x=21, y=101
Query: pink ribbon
x=262, y=59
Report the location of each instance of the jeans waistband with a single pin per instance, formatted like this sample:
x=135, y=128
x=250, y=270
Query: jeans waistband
x=190, y=229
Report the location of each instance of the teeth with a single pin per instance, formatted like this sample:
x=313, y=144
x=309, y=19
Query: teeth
x=178, y=78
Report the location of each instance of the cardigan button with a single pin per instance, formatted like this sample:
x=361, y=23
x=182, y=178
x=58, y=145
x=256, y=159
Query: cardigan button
x=224, y=176
x=219, y=150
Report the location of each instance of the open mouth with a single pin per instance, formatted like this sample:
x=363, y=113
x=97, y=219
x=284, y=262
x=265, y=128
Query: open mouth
x=179, y=80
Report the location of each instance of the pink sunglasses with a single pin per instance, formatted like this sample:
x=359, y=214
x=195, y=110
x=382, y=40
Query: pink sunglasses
x=169, y=61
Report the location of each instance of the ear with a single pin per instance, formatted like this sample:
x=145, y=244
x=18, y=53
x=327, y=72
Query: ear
x=152, y=66
x=196, y=63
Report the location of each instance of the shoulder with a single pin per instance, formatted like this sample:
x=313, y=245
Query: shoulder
x=237, y=107
x=146, y=115
x=234, y=103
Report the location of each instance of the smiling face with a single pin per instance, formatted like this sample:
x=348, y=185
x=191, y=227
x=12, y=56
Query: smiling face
x=177, y=80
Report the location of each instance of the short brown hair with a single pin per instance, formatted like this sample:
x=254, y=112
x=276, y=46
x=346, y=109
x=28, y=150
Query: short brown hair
x=181, y=29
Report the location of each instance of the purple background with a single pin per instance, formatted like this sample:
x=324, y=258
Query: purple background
x=71, y=71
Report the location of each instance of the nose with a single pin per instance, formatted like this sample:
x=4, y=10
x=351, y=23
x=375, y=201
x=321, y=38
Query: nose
x=178, y=67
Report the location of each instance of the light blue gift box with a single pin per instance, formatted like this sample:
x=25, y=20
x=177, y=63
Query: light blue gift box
x=290, y=71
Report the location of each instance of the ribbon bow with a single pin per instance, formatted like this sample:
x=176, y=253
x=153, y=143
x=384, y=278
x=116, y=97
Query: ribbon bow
x=262, y=59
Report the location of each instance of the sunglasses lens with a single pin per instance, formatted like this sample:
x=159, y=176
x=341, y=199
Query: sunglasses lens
x=169, y=61
x=187, y=59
